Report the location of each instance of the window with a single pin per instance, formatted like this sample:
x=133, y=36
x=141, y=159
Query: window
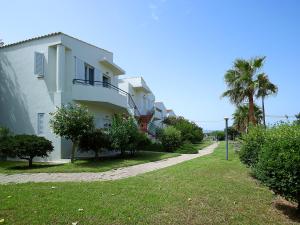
x=40, y=123
x=89, y=74
x=39, y=64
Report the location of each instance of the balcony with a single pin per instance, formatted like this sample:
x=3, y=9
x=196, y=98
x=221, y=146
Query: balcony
x=102, y=92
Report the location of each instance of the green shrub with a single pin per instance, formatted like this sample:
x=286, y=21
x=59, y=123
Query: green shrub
x=26, y=147
x=143, y=141
x=187, y=148
x=251, y=145
x=95, y=141
x=278, y=165
x=154, y=147
x=219, y=135
x=170, y=138
x=124, y=134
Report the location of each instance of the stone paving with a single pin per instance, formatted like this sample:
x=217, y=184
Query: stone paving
x=103, y=176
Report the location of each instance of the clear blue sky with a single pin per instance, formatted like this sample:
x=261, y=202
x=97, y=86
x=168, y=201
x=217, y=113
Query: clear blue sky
x=182, y=48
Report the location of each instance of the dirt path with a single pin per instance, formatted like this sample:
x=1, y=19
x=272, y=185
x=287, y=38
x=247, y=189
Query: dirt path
x=102, y=176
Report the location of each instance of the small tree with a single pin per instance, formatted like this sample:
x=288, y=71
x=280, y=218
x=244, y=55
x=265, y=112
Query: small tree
x=170, y=138
x=95, y=141
x=124, y=134
x=72, y=122
x=26, y=147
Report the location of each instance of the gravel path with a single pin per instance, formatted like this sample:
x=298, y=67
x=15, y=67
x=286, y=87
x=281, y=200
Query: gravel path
x=102, y=176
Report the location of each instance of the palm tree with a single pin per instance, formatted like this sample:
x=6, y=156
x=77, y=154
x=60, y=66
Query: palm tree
x=241, y=119
x=265, y=88
x=242, y=82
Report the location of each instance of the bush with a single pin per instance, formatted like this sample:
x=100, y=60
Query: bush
x=95, y=141
x=189, y=130
x=278, y=165
x=124, y=134
x=187, y=148
x=153, y=147
x=170, y=138
x=26, y=147
x=252, y=143
x=219, y=135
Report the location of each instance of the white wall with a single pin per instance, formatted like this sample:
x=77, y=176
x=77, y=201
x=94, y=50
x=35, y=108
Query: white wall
x=22, y=94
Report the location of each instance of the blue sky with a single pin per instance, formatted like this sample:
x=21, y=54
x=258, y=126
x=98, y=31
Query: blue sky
x=182, y=48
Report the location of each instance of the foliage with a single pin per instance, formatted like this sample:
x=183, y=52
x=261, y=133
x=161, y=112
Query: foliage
x=187, y=148
x=4, y=133
x=95, y=140
x=251, y=145
x=241, y=119
x=153, y=147
x=242, y=83
x=232, y=133
x=26, y=147
x=218, y=134
x=190, y=131
x=143, y=141
x=265, y=89
x=279, y=161
x=297, y=121
x=171, y=138
x=124, y=134
x=72, y=122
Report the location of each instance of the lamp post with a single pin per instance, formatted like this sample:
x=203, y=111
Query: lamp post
x=226, y=136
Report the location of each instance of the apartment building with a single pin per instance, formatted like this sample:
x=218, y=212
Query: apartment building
x=43, y=73
x=39, y=74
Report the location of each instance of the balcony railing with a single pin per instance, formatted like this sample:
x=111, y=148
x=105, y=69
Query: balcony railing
x=131, y=103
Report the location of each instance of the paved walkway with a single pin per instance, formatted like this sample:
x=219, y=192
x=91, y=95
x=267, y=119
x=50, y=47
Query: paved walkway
x=102, y=176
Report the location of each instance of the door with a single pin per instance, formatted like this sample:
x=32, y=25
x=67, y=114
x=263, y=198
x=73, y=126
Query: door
x=105, y=81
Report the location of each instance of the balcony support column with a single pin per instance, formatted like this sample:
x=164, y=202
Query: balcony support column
x=60, y=67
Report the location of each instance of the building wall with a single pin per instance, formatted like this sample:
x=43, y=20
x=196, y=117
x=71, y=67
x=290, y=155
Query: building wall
x=23, y=95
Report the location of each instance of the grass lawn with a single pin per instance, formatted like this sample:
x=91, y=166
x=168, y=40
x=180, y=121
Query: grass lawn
x=208, y=190
x=90, y=165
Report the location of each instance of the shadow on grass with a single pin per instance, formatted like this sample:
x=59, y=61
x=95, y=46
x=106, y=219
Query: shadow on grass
x=118, y=158
x=34, y=166
x=287, y=208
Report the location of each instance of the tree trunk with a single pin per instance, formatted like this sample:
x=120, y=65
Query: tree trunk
x=74, y=147
x=263, y=109
x=30, y=162
x=251, y=110
x=96, y=154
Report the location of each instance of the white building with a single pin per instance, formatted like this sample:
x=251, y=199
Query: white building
x=170, y=113
x=160, y=114
x=144, y=100
x=39, y=74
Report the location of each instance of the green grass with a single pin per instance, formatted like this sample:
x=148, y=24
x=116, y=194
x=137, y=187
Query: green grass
x=189, y=148
x=90, y=165
x=207, y=190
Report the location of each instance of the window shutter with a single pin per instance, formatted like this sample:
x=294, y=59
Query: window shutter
x=39, y=64
x=40, y=123
x=79, y=69
x=98, y=75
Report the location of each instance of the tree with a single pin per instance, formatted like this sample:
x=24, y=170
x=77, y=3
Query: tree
x=72, y=122
x=170, y=138
x=124, y=134
x=241, y=119
x=26, y=147
x=1, y=43
x=242, y=83
x=297, y=121
x=95, y=140
x=232, y=132
x=190, y=131
x=265, y=89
